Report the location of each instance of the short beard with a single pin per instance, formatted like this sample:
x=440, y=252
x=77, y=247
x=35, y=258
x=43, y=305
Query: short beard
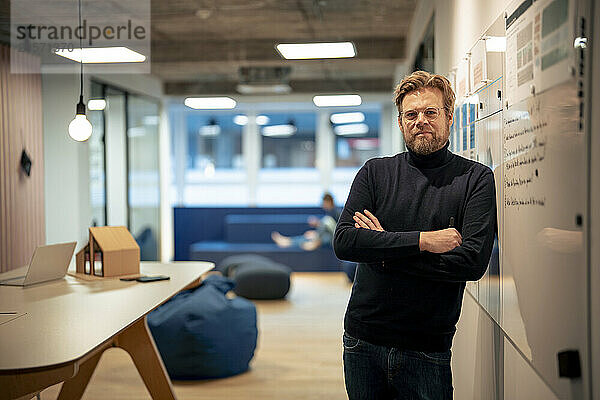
x=422, y=146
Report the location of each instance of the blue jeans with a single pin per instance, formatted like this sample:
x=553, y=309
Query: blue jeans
x=378, y=372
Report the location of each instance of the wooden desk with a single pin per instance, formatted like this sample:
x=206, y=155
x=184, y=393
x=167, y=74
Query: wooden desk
x=66, y=325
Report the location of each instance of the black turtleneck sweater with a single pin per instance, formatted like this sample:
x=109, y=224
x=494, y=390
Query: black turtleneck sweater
x=403, y=297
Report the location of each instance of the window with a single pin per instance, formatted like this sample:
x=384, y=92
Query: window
x=357, y=140
x=208, y=166
x=224, y=159
x=214, y=142
x=288, y=174
x=288, y=139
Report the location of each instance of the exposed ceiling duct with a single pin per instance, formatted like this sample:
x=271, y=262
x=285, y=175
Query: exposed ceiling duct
x=264, y=80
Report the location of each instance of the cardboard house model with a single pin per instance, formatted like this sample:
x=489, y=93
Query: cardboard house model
x=111, y=251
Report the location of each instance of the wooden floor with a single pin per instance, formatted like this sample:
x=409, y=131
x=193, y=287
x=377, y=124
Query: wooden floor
x=299, y=354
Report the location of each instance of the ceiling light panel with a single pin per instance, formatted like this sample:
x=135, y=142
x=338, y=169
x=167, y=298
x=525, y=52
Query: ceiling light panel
x=240, y=120
x=262, y=120
x=351, y=129
x=210, y=103
x=337, y=100
x=96, y=104
x=347, y=118
x=278, y=88
x=304, y=51
x=99, y=55
x=279, y=130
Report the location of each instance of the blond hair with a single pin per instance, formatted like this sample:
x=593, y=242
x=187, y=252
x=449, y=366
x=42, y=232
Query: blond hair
x=422, y=79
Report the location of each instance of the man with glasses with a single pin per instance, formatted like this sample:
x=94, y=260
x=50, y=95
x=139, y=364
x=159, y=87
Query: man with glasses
x=420, y=224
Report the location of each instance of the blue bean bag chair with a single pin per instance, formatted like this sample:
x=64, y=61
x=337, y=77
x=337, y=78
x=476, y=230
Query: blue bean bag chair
x=202, y=334
x=257, y=277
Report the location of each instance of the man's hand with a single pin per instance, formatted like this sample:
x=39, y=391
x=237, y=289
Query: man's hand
x=440, y=241
x=367, y=221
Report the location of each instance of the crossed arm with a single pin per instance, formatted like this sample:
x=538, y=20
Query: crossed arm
x=439, y=241
x=438, y=255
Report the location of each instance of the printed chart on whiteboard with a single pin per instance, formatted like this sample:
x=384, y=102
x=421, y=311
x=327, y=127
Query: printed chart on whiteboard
x=539, y=42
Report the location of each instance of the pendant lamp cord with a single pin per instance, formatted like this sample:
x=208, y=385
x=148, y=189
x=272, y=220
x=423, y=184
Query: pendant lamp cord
x=81, y=50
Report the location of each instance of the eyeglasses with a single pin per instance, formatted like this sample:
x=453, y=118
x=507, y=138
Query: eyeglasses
x=431, y=113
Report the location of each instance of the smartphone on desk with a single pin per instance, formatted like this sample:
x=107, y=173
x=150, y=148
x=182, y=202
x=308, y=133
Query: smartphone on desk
x=153, y=278
x=148, y=278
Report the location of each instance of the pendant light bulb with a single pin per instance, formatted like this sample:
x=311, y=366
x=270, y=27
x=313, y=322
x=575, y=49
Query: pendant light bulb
x=80, y=128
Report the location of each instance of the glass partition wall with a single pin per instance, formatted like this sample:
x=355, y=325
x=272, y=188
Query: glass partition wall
x=97, y=157
x=124, y=164
x=143, y=181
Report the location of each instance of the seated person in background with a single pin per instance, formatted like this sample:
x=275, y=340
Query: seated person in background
x=314, y=238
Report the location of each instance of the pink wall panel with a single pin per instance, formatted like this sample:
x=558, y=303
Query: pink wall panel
x=22, y=225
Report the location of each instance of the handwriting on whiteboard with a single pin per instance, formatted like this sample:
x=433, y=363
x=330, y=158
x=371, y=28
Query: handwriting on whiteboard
x=521, y=180
x=526, y=201
x=525, y=146
x=509, y=135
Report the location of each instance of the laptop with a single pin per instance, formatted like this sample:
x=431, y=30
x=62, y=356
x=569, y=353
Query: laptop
x=48, y=263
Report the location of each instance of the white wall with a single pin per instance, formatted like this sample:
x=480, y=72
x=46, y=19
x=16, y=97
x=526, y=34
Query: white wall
x=458, y=24
x=66, y=163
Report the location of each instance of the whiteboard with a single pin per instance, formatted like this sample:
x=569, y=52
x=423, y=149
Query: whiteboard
x=530, y=136
x=544, y=270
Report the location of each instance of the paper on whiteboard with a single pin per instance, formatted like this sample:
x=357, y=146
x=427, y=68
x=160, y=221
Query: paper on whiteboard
x=539, y=47
x=462, y=79
x=478, y=67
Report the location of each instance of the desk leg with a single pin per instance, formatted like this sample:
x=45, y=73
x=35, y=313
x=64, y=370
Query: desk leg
x=24, y=385
x=74, y=387
x=138, y=342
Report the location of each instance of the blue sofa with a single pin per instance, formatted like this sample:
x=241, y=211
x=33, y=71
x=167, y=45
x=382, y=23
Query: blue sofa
x=212, y=234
